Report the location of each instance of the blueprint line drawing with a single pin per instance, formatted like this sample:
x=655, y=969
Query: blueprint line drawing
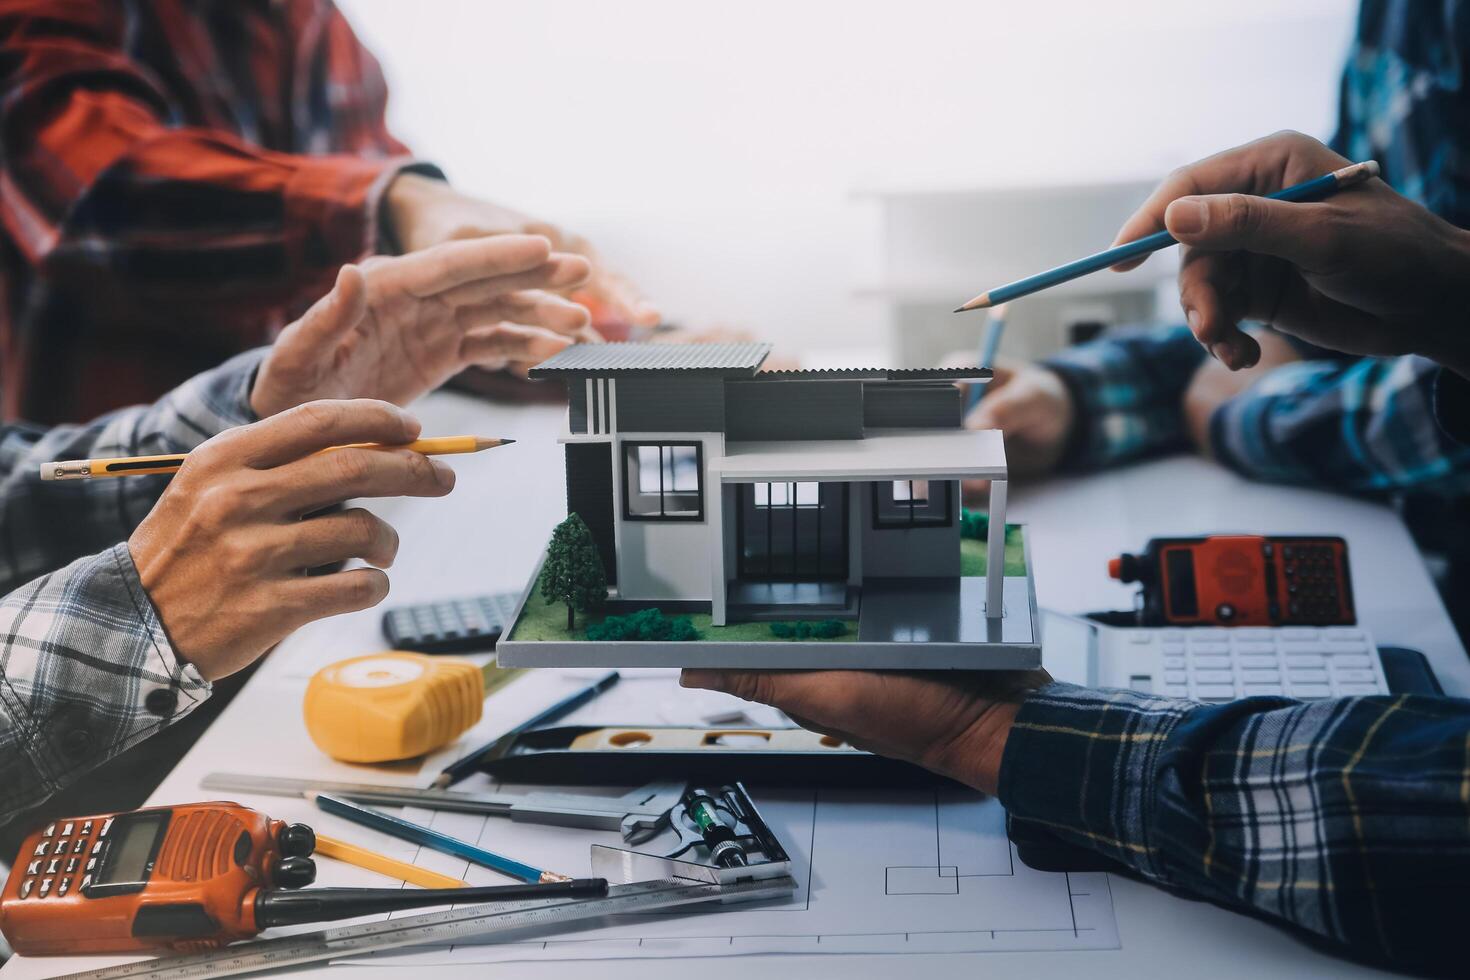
x=902, y=871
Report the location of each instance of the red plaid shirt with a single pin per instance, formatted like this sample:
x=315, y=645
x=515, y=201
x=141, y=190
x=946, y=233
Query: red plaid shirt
x=178, y=179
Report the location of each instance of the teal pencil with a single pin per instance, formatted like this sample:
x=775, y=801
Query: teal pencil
x=995, y=328
x=1312, y=190
x=418, y=834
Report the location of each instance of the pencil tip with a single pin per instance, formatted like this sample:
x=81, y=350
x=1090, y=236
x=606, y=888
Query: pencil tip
x=491, y=443
x=441, y=781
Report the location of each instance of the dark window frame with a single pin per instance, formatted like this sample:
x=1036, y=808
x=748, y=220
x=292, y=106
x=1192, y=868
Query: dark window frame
x=632, y=447
x=912, y=520
x=792, y=501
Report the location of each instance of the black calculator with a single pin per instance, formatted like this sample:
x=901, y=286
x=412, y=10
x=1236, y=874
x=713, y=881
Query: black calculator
x=451, y=626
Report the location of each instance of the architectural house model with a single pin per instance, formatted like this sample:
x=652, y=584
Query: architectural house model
x=744, y=498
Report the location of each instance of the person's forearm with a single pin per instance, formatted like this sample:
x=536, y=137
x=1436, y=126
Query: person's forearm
x=1343, y=818
x=49, y=524
x=1126, y=393
x=104, y=184
x=1369, y=425
x=86, y=672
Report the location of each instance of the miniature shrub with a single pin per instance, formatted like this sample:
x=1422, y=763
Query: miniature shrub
x=572, y=572
x=974, y=524
x=645, y=624
x=825, y=630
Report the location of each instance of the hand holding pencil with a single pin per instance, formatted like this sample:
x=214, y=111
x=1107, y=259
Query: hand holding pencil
x=1366, y=271
x=224, y=553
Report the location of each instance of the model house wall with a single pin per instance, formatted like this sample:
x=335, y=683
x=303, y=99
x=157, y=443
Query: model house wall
x=914, y=552
x=665, y=560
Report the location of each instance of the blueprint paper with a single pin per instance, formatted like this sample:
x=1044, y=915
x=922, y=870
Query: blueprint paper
x=897, y=872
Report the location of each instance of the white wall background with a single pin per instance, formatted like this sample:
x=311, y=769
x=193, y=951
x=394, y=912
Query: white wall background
x=712, y=149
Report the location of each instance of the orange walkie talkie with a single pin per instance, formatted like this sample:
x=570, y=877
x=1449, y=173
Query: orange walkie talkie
x=176, y=876
x=1241, y=580
x=191, y=878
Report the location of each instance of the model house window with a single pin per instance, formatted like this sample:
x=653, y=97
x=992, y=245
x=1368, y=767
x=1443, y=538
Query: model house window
x=911, y=503
x=662, y=481
x=786, y=494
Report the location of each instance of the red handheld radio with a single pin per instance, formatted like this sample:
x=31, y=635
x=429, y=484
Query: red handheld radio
x=1241, y=580
x=193, y=877
x=182, y=876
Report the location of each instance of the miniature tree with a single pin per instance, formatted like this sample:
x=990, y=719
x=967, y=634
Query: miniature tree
x=573, y=572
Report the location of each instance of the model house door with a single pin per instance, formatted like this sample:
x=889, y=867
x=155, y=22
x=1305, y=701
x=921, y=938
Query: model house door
x=792, y=531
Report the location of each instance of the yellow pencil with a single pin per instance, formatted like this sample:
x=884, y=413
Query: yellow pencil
x=88, y=469
x=384, y=865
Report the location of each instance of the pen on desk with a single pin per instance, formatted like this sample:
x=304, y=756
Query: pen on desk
x=1312, y=190
x=361, y=857
x=464, y=766
x=88, y=469
x=418, y=834
x=995, y=328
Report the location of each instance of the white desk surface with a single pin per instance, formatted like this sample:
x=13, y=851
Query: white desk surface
x=485, y=536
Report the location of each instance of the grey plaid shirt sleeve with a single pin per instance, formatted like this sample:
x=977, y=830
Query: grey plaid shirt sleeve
x=1346, y=819
x=86, y=669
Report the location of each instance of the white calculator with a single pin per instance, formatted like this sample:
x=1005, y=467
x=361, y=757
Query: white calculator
x=1214, y=664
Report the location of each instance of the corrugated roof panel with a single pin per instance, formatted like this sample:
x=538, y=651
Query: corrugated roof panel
x=879, y=374
x=627, y=358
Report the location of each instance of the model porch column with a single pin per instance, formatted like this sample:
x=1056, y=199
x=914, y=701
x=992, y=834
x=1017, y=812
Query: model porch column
x=995, y=552
x=715, y=515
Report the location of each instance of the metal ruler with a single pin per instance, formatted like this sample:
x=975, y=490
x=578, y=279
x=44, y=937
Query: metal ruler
x=635, y=811
x=441, y=928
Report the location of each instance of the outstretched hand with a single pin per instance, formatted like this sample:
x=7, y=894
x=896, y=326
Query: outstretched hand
x=423, y=212
x=395, y=328
x=954, y=723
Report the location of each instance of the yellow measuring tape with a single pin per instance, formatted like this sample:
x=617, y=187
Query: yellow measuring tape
x=394, y=705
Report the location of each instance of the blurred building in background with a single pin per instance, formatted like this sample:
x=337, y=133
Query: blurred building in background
x=837, y=176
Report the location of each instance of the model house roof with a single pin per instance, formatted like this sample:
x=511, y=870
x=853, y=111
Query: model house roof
x=879, y=374
x=714, y=360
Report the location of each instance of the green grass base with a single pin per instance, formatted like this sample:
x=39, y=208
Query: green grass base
x=973, y=559
x=542, y=621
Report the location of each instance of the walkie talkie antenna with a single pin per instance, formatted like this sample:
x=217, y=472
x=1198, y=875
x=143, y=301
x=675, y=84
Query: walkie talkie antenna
x=279, y=907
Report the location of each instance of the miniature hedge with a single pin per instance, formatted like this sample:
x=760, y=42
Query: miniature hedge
x=645, y=624
x=974, y=524
x=825, y=630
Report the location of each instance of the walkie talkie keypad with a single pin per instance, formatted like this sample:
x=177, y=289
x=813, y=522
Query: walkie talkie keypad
x=454, y=626
x=1310, y=572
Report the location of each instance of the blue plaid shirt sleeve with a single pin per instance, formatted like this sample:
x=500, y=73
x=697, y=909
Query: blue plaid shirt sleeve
x=1365, y=425
x=86, y=668
x=1349, y=819
x=1126, y=391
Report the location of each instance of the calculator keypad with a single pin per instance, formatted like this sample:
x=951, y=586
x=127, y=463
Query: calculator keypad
x=456, y=625
x=1215, y=664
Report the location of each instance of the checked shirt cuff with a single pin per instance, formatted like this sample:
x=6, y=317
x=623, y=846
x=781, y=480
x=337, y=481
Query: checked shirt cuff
x=86, y=672
x=1083, y=764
